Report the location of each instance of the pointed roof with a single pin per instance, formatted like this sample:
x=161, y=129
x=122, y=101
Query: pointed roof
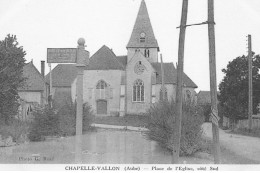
x=170, y=75
x=34, y=80
x=142, y=24
x=104, y=59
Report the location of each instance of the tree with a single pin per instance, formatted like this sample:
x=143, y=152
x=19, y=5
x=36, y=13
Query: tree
x=234, y=88
x=11, y=78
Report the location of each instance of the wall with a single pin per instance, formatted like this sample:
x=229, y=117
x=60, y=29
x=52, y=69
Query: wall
x=146, y=77
x=91, y=78
x=31, y=96
x=152, y=58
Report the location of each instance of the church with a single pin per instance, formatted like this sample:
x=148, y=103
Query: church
x=119, y=85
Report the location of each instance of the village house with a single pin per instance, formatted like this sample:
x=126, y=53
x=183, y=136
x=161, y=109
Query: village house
x=34, y=92
x=118, y=85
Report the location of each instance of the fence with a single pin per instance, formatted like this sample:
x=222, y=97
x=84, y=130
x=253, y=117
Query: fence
x=244, y=124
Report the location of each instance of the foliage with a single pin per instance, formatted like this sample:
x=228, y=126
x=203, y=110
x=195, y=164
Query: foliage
x=58, y=122
x=234, y=88
x=161, y=126
x=11, y=67
x=17, y=130
x=67, y=118
x=45, y=123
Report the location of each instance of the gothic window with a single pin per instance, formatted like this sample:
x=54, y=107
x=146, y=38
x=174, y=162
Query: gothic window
x=139, y=68
x=101, y=89
x=138, y=91
x=165, y=93
x=147, y=53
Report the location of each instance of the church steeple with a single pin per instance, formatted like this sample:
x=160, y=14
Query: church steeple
x=142, y=35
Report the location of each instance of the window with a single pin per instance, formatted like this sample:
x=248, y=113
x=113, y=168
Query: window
x=138, y=91
x=163, y=89
x=142, y=40
x=188, y=95
x=146, y=53
x=101, y=89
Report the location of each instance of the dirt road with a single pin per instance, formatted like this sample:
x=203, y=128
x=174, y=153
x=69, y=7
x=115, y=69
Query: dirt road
x=244, y=146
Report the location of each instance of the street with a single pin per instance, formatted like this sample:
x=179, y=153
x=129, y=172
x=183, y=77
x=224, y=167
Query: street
x=243, y=146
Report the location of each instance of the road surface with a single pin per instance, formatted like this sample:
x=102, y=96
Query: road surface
x=244, y=146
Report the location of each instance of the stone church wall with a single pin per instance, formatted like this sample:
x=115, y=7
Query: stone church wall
x=112, y=93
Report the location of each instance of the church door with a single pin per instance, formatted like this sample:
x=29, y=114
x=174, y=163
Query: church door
x=101, y=107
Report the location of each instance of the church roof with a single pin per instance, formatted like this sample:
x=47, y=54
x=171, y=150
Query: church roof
x=142, y=24
x=104, y=59
x=122, y=60
x=170, y=75
x=62, y=75
x=34, y=80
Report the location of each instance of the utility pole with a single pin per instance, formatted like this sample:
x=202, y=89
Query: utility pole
x=250, y=84
x=213, y=81
x=163, y=86
x=177, y=129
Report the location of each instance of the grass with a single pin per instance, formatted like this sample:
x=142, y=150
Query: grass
x=128, y=120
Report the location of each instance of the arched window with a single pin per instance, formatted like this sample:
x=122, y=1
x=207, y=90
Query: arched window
x=101, y=89
x=101, y=85
x=138, y=91
x=147, y=53
x=165, y=93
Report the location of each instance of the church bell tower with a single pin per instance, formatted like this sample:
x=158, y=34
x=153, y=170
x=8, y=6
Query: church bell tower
x=142, y=38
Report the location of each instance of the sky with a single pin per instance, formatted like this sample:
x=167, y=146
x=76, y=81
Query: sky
x=42, y=24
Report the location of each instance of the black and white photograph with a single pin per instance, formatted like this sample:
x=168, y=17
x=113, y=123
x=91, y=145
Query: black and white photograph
x=130, y=85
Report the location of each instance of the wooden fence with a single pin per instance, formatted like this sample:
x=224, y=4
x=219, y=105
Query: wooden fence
x=244, y=124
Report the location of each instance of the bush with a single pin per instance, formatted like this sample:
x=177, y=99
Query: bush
x=67, y=118
x=161, y=126
x=45, y=123
x=58, y=122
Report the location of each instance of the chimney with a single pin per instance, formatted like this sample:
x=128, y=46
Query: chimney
x=43, y=68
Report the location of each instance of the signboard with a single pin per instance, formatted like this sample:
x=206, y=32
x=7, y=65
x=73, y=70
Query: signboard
x=61, y=55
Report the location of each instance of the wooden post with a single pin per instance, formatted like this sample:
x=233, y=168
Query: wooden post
x=163, y=86
x=250, y=84
x=177, y=129
x=213, y=81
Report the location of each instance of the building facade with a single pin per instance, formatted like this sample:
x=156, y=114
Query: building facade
x=119, y=85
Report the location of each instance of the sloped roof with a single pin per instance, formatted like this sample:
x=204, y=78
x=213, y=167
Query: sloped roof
x=62, y=75
x=122, y=60
x=142, y=24
x=204, y=97
x=170, y=75
x=104, y=59
x=34, y=79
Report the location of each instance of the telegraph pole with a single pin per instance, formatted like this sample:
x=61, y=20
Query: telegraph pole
x=213, y=81
x=177, y=129
x=250, y=84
